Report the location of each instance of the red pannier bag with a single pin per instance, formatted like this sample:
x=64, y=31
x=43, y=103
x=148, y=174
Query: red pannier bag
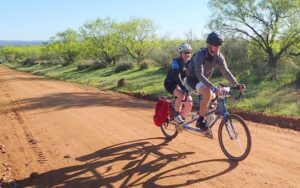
x=161, y=112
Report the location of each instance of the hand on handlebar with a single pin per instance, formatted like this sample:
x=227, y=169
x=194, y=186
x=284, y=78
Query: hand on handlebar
x=221, y=91
x=216, y=90
x=241, y=87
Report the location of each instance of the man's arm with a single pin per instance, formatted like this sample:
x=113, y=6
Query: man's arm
x=222, y=65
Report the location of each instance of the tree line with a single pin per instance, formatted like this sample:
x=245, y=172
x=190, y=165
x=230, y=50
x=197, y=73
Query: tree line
x=261, y=37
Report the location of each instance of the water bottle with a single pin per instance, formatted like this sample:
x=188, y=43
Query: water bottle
x=211, y=118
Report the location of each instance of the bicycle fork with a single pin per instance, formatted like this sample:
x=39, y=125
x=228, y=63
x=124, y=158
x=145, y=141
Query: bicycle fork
x=231, y=127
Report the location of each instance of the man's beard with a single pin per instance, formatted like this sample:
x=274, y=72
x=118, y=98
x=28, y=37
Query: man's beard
x=211, y=52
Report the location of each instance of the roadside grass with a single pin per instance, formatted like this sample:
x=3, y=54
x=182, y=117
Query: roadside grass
x=147, y=81
x=276, y=97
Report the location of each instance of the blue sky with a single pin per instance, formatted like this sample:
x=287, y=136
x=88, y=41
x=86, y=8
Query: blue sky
x=41, y=19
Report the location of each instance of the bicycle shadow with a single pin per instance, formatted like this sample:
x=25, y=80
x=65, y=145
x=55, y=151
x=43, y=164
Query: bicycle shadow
x=126, y=164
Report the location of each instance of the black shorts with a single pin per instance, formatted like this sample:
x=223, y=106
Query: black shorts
x=192, y=81
x=169, y=86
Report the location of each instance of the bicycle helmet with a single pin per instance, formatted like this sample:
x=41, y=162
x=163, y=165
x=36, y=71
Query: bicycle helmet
x=184, y=47
x=214, y=39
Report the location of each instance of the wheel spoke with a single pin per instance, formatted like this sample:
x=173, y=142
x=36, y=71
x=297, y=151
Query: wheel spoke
x=234, y=139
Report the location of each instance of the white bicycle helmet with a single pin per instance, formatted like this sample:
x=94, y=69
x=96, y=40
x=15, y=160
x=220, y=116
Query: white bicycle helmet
x=184, y=47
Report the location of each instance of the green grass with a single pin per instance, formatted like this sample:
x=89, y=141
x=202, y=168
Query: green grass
x=148, y=81
x=276, y=97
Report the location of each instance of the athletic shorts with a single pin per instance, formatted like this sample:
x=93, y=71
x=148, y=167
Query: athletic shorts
x=194, y=83
x=170, y=87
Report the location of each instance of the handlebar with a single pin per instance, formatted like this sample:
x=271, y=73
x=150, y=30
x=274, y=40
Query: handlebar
x=241, y=92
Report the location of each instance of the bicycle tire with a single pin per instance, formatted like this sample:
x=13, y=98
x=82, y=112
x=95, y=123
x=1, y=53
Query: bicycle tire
x=230, y=118
x=166, y=133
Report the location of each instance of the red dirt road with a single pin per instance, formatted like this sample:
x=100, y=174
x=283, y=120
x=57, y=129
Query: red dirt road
x=58, y=134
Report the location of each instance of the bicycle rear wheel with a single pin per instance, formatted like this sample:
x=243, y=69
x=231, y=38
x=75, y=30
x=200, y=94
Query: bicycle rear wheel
x=169, y=130
x=234, y=138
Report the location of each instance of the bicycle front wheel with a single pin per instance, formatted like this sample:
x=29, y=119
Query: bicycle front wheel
x=234, y=138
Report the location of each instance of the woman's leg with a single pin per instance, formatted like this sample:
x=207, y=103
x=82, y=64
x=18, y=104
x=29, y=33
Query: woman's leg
x=187, y=107
x=176, y=91
x=179, y=98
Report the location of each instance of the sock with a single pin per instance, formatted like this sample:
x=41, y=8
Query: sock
x=201, y=122
x=201, y=118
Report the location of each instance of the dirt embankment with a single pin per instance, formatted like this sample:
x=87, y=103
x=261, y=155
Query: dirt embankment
x=257, y=117
x=279, y=121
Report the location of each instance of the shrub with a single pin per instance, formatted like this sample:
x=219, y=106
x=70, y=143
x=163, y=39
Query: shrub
x=83, y=66
x=43, y=62
x=165, y=62
x=145, y=64
x=65, y=63
x=55, y=61
x=297, y=80
x=123, y=67
x=121, y=82
x=165, y=65
x=29, y=61
x=90, y=64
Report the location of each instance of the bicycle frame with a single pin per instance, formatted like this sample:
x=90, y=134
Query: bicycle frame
x=220, y=111
x=228, y=124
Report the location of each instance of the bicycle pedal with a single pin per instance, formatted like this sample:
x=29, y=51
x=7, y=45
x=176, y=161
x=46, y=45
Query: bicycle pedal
x=209, y=134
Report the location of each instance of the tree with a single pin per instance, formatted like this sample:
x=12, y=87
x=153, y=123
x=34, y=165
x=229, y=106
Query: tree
x=66, y=46
x=237, y=59
x=272, y=25
x=20, y=53
x=166, y=50
x=138, y=37
x=190, y=37
x=295, y=50
x=8, y=54
x=103, y=40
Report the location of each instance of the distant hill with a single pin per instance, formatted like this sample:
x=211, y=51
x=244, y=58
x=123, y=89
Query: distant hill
x=21, y=42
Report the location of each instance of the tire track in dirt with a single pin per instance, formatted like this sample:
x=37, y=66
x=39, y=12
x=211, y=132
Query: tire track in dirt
x=16, y=114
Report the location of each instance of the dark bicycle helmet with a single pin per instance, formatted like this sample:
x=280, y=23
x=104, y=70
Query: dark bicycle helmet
x=214, y=39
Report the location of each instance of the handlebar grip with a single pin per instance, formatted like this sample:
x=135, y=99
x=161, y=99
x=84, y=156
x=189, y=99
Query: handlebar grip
x=240, y=93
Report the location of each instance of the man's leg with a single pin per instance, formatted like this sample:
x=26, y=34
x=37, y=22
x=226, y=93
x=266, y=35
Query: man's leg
x=206, y=97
